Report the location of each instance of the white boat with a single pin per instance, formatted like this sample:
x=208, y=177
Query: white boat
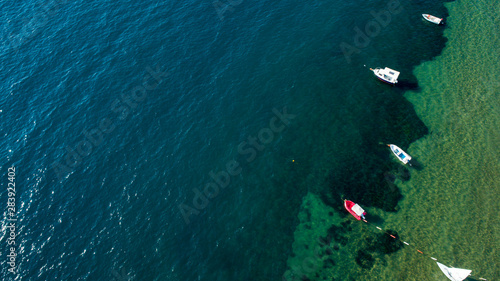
x=433, y=19
x=455, y=274
x=386, y=75
x=402, y=156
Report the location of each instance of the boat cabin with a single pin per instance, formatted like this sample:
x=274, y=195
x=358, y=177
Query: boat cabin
x=387, y=75
x=390, y=75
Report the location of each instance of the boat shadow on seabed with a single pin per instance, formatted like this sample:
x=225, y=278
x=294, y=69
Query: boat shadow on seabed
x=415, y=164
x=471, y=279
x=374, y=219
x=407, y=85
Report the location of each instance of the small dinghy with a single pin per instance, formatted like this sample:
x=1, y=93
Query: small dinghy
x=402, y=156
x=386, y=75
x=354, y=209
x=433, y=19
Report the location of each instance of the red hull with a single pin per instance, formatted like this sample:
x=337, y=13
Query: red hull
x=348, y=206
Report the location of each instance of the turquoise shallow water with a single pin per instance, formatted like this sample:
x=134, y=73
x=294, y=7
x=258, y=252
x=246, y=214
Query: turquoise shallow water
x=115, y=114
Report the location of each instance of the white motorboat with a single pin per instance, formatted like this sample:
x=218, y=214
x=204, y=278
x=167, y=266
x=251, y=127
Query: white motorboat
x=386, y=75
x=433, y=19
x=402, y=156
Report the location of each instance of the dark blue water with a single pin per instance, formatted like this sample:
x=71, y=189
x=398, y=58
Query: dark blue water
x=114, y=114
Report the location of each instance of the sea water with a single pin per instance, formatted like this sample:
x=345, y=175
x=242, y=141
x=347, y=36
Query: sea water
x=150, y=139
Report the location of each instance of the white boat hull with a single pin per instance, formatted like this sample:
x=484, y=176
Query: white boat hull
x=381, y=78
x=433, y=19
x=386, y=75
x=400, y=154
x=454, y=274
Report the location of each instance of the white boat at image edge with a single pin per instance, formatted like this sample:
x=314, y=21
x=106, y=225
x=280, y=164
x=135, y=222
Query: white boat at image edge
x=386, y=75
x=455, y=274
x=402, y=156
x=433, y=19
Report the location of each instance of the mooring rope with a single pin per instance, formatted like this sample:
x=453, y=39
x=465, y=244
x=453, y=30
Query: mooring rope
x=408, y=244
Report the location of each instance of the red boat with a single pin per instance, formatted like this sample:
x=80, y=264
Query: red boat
x=354, y=209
